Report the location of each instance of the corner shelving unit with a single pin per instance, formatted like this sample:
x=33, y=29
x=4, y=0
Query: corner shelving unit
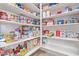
x=71, y=42
x=16, y=10
x=71, y=47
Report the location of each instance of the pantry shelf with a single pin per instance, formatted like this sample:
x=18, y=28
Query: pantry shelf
x=32, y=51
x=59, y=38
x=16, y=10
x=17, y=23
x=59, y=49
x=19, y=41
x=76, y=11
x=62, y=25
x=32, y=7
x=60, y=5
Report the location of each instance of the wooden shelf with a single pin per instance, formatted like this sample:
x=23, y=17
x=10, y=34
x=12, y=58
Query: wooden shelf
x=60, y=5
x=76, y=11
x=16, y=23
x=14, y=9
x=59, y=38
x=62, y=25
x=32, y=7
x=19, y=41
x=59, y=49
x=33, y=50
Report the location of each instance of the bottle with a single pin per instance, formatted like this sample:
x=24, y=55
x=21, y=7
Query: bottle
x=28, y=21
x=17, y=34
x=22, y=19
x=3, y=15
x=57, y=33
x=78, y=36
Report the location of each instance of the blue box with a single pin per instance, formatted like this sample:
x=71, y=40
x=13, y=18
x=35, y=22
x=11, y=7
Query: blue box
x=50, y=4
x=60, y=21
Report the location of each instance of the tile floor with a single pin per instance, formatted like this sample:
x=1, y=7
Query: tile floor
x=45, y=52
x=41, y=53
